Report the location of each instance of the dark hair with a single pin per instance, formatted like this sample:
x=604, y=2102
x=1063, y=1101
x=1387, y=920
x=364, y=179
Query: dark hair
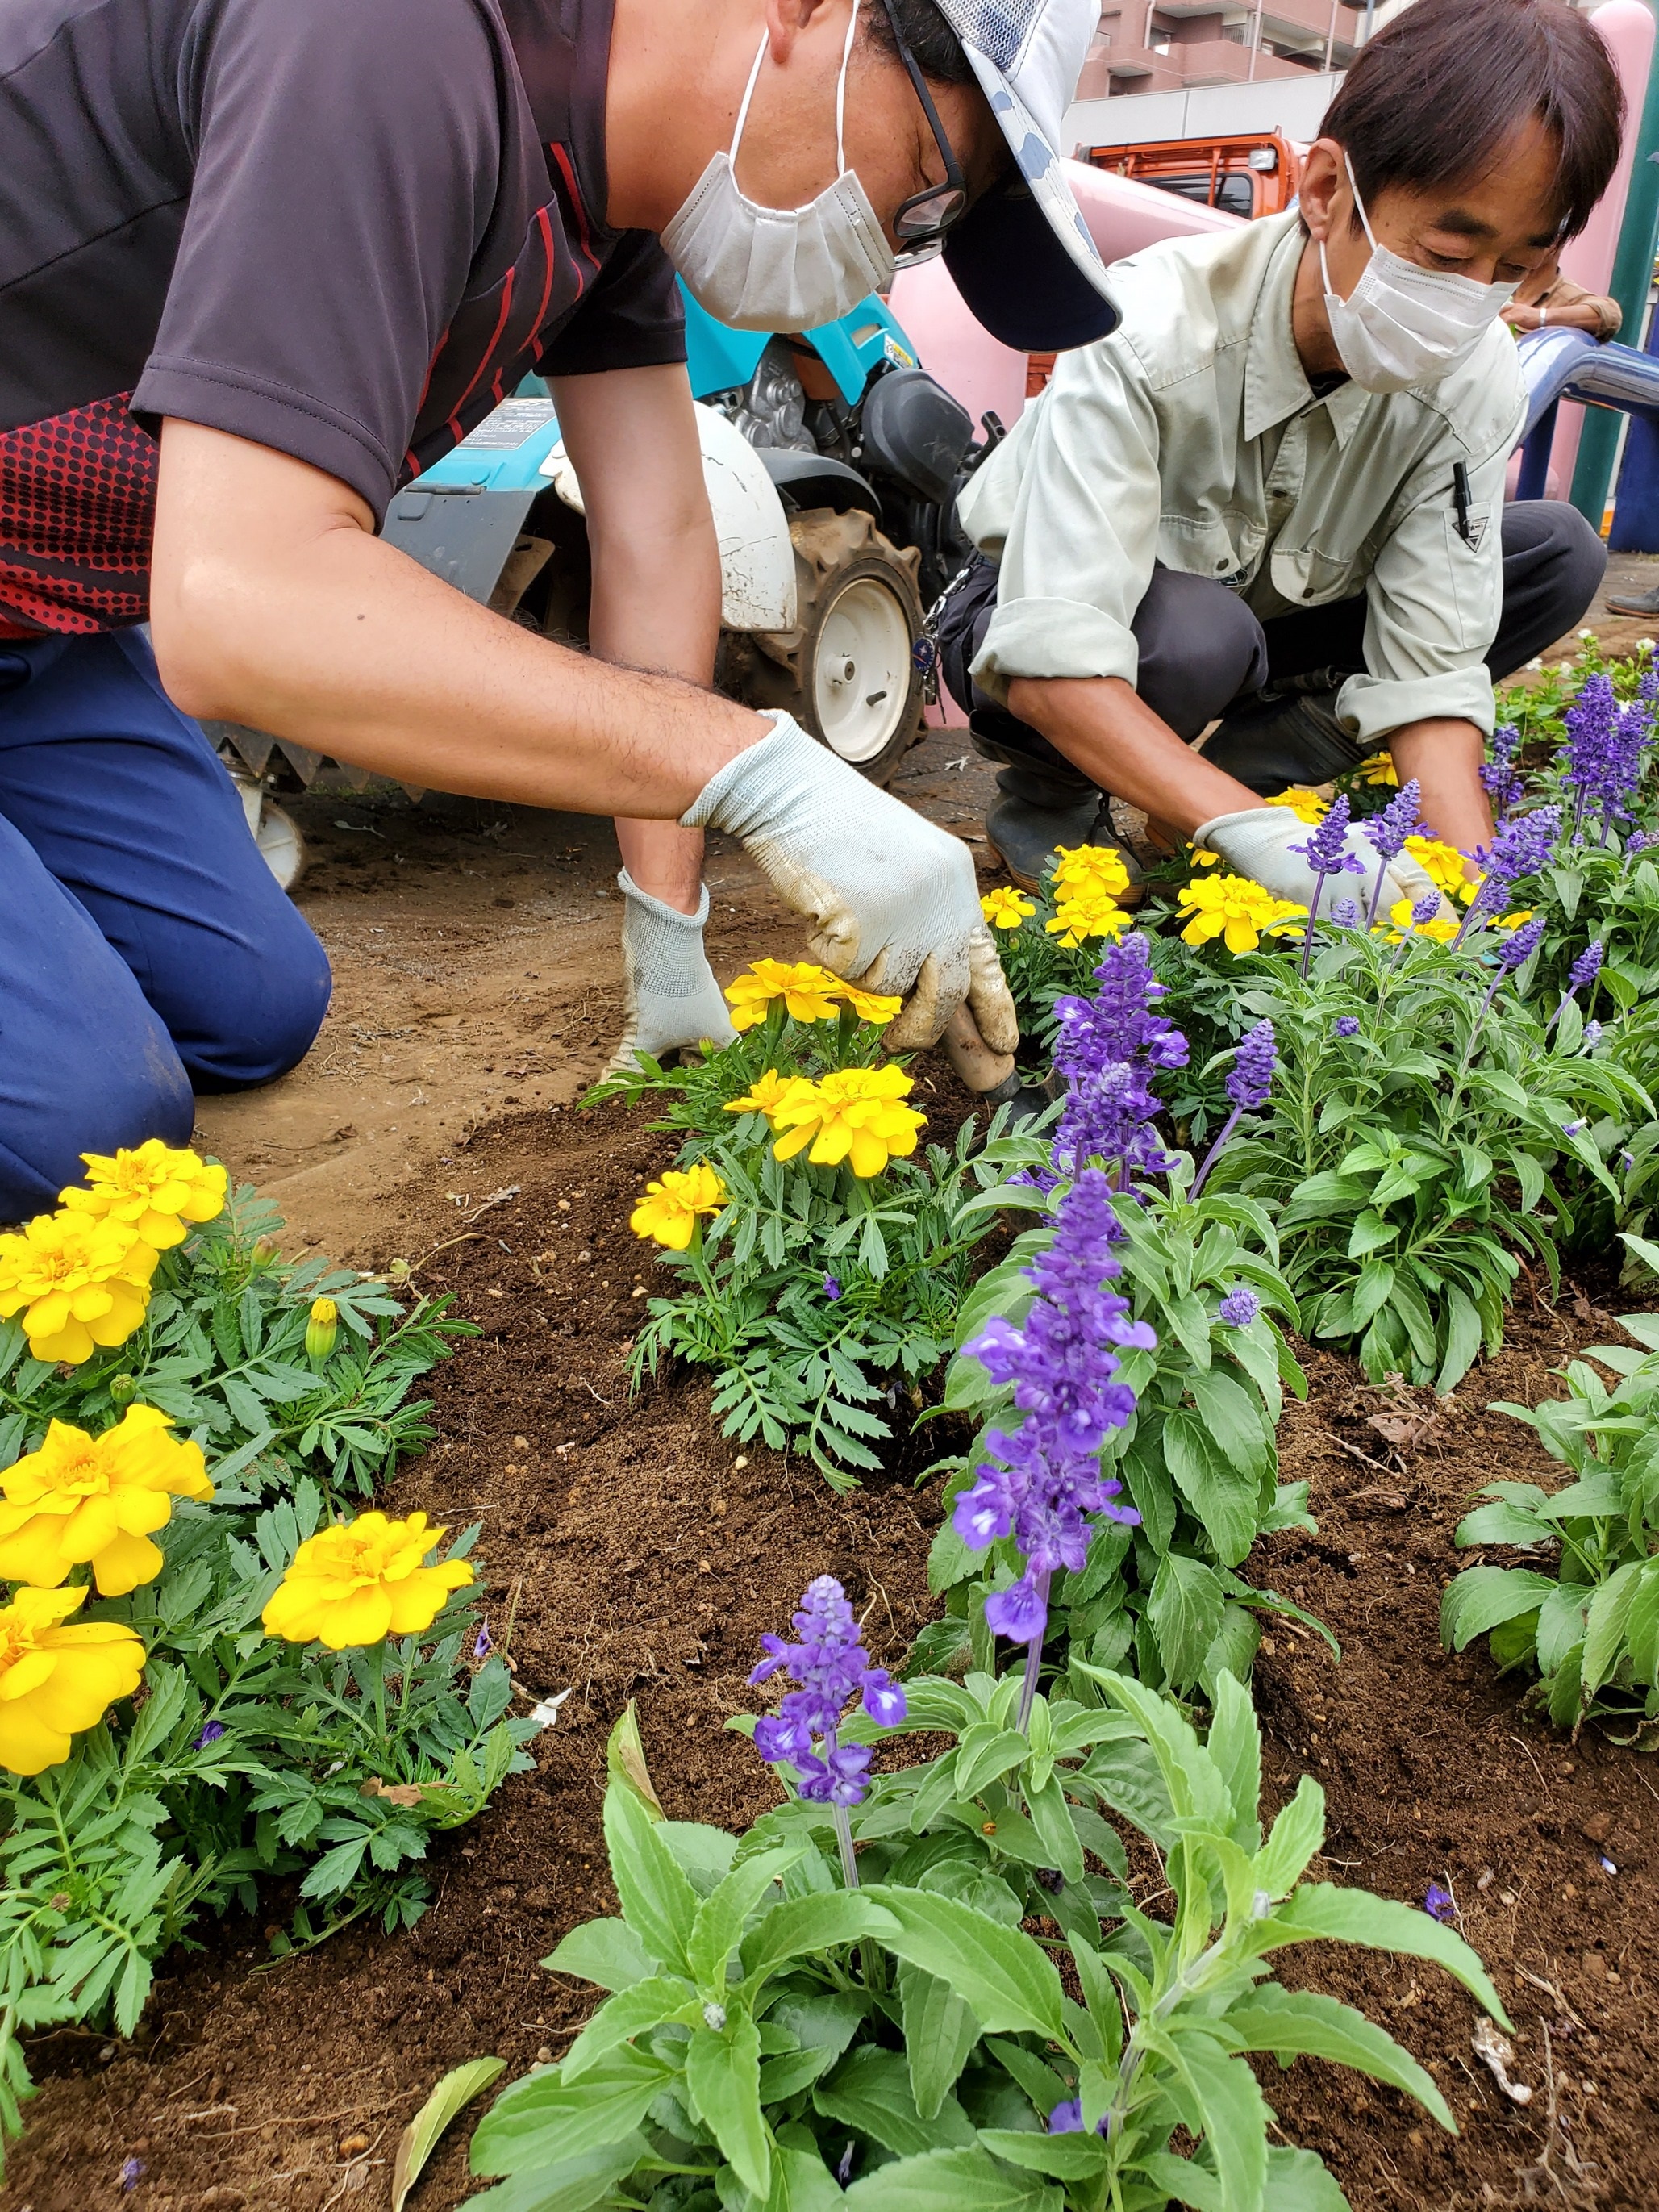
x=1436, y=98
x=934, y=46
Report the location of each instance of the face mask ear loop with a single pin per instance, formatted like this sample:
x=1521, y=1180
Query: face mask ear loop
x=748, y=94
x=841, y=91
x=1353, y=186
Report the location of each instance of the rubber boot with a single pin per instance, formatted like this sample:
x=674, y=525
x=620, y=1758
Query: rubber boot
x=1287, y=734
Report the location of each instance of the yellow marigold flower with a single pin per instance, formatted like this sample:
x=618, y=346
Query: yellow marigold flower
x=1443, y=928
x=853, y=1114
x=1232, y=907
x=153, y=1190
x=869, y=1005
x=55, y=1681
x=809, y=992
x=78, y=1282
x=1307, y=805
x=668, y=1212
x=1203, y=859
x=361, y=1582
x=1085, y=913
x=1098, y=867
x=1443, y=865
x=766, y=1093
x=322, y=1328
x=1005, y=909
x=82, y=1500
x=1515, y=920
x=1379, y=768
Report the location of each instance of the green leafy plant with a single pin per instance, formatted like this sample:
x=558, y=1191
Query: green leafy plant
x=1585, y=1618
x=1198, y=1457
x=770, y=2036
x=221, y=1350
x=240, y=1758
x=819, y=1296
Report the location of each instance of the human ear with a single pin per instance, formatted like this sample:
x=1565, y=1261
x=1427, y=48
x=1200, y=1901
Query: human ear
x=786, y=20
x=1323, y=176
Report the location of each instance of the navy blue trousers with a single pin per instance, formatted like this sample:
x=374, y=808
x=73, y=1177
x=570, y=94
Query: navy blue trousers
x=145, y=948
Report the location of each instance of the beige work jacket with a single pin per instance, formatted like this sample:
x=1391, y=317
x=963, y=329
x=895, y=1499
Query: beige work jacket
x=1192, y=436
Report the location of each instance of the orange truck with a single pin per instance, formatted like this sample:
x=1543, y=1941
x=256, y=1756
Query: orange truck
x=1245, y=173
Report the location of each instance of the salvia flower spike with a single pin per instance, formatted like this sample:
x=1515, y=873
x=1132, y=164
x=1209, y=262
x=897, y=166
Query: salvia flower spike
x=1249, y=1082
x=828, y=1666
x=1387, y=832
x=1108, y=1050
x=1584, y=969
x=1040, y=1482
x=1325, y=851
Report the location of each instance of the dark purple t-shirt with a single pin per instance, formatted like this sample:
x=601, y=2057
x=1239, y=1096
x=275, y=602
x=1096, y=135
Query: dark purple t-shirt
x=342, y=229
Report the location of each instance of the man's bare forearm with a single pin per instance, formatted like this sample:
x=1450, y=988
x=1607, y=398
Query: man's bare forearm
x=1445, y=755
x=1106, y=729
x=274, y=604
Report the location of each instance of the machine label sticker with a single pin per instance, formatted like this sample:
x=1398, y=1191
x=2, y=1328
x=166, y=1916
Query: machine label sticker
x=515, y=422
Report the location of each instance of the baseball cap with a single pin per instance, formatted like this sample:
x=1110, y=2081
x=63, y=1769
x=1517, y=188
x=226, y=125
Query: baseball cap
x=1022, y=256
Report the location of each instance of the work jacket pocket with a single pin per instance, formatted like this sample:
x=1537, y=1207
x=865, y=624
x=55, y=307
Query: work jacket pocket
x=1225, y=548
x=1313, y=576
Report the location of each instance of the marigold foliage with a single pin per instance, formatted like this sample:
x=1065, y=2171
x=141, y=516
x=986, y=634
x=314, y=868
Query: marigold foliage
x=668, y=1213
x=362, y=1581
x=1232, y=907
x=853, y=1114
x=78, y=1282
x=57, y=1681
x=1005, y=907
x=153, y=1189
x=96, y=1501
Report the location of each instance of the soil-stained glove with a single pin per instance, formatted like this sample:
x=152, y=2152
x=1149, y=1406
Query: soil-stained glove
x=673, y=1002
x=891, y=897
x=1256, y=843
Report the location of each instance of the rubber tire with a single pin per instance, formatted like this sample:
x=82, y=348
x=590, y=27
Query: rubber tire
x=833, y=551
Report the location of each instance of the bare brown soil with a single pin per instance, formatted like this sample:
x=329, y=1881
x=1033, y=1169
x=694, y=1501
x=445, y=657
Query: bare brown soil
x=632, y=1553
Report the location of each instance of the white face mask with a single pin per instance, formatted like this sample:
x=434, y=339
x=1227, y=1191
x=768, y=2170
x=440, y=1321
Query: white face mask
x=779, y=268
x=1402, y=325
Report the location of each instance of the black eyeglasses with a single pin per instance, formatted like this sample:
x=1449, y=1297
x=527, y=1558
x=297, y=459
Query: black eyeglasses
x=923, y=220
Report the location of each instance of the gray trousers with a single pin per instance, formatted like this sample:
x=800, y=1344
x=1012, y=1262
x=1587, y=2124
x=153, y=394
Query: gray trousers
x=1201, y=648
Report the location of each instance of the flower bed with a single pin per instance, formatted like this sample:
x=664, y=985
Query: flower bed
x=914, y=1983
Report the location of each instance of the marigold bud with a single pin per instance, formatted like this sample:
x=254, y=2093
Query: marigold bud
x=123, y=1389
x=322, y=1329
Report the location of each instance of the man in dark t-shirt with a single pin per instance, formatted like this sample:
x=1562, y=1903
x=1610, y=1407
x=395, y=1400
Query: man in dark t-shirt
x=261, y=262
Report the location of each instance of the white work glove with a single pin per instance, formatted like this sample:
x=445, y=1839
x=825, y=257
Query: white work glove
x=673, y=1002
x=1256, y=843
x=891, y=897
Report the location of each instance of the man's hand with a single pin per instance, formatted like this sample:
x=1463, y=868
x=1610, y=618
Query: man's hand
x=892, y=898
x=1256, y=843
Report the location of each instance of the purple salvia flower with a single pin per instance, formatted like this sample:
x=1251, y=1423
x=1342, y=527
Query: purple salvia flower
x=1387, y=833
x=1584, y=969
x=1439, y=1904
x=1239, y=1307
x=1574, y=1128
x=1108, y=1050
x=1067, y=2118
x=210, y=1732
x=1520, y=847
x=481, y=1646
x=1424, y=908
x=1498, y=774
x=131, y=2172
x=829, y=1665
x=1592, y=743
x=831, y=1289
x=1040, y=1482
x=1523, y=943
x=1638, y=841
x=1325, y=851
x=1592, y=1035
x=1249, y=1081
x=1346, y=913
x=1346, y=1025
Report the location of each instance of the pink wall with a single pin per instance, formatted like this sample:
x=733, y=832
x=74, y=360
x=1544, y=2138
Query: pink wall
x=1628, y=29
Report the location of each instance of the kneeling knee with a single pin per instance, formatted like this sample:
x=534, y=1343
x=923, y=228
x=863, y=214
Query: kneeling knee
x=266, y=1018
x=1578, y=562
x=93, y=1101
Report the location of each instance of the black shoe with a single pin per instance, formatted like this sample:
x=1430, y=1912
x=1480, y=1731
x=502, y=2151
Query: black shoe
x=1283, y=737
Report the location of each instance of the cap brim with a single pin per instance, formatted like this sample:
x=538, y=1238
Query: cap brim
x=1022, y=256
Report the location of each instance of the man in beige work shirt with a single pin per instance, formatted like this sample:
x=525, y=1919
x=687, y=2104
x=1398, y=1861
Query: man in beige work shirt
x=1275, y=496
